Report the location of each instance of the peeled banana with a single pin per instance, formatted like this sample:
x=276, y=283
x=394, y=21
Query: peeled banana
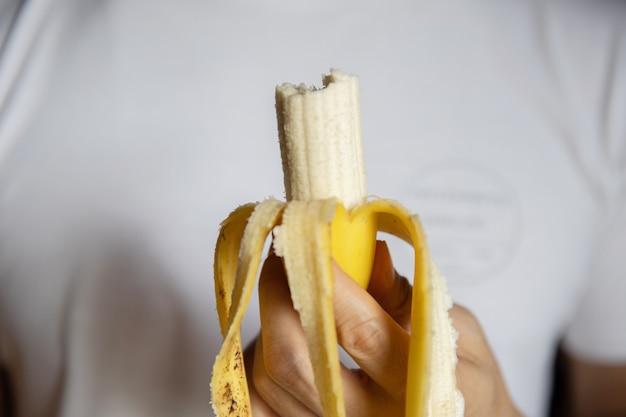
x=328, y=215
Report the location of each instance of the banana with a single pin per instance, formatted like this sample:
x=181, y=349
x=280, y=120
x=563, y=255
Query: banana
x=328, y=215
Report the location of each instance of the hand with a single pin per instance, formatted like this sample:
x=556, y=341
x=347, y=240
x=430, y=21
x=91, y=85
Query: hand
x=372, y=327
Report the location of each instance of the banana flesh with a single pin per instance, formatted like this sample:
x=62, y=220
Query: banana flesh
x=327, y=215
x=322, y=156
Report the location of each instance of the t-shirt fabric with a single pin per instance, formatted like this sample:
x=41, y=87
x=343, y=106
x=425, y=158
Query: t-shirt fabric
x=129, y=130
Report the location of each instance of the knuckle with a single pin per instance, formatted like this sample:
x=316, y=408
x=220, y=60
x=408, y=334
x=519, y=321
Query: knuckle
x=264, y=385
x=465, y=319
x=366, y=337
x=286, y=367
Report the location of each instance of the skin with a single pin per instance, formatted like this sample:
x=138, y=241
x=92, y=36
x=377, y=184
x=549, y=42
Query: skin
x=372, y=327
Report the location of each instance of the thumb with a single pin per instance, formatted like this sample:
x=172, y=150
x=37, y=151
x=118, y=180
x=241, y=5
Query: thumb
x=390, y=289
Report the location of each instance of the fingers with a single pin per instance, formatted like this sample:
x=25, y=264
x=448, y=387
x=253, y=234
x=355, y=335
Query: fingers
x=272, y=389
x=259, y=405
x=370, y=336
x=391, y=290
x=472, y=343
x=472, y=353
x=282, y=374
x=478, y=374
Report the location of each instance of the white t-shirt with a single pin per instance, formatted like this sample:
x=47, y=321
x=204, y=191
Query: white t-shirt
x=129, y=130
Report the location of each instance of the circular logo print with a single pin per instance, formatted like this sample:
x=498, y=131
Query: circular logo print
x=471, y=216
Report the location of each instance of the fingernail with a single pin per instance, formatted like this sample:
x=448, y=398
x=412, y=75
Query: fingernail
x=383, y=265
